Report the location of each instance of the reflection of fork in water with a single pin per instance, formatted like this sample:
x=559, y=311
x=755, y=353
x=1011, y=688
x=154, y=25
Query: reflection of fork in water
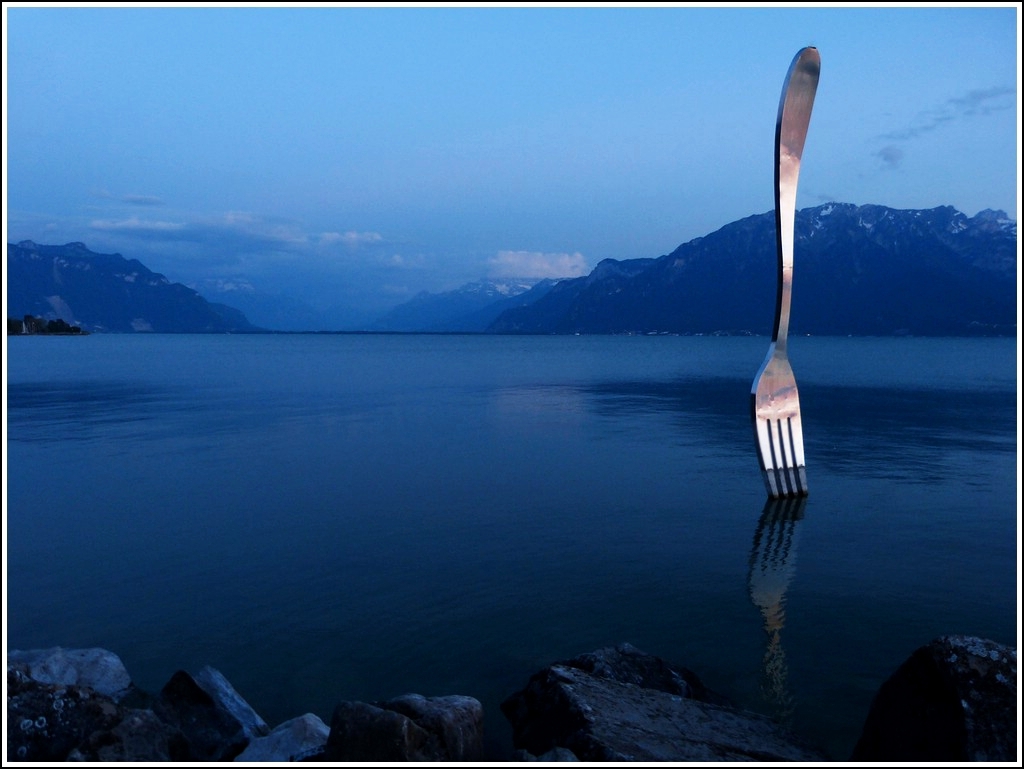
x=772, y=564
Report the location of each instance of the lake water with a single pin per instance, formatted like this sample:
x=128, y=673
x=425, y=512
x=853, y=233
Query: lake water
x=354, y=517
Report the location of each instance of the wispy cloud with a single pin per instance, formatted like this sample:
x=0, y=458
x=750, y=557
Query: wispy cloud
x=131, y=199
x=135, y=225
x=239, y=229
x=415, y=261
x=977, y=102
x=350, y=238
x=263, y=230
x=536, y=264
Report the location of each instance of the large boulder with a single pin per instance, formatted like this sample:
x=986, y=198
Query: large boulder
x=628, y=665
x=620, y=704
x=953, y=700
x=456, y=720
x=217, y=723
x=407, y=728
x=213, y=682
x=96, y=669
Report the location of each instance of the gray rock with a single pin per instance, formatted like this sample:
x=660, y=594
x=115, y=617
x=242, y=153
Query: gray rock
x=361, y=731
x=457, y=720
x=407, y=728
x=294, y=740
x=606, y=717
x=953, y=700
x=208, y=721
x=98, y=669
x=223, y=693
x=627, y=664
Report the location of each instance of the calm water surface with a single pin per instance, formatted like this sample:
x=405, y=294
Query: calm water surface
x=348, y=517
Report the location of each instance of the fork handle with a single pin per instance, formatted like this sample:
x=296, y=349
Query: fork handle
x=790, y=133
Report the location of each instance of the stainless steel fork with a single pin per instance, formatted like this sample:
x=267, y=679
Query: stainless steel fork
x=774, y=402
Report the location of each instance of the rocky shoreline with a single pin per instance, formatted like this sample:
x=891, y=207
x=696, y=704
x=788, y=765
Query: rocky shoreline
x=954, y=699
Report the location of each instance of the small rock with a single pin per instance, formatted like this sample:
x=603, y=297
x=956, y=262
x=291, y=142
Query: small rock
x=294, y=740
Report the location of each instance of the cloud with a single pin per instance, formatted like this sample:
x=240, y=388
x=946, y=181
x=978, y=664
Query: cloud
x=131, y=199
x=973, y=103
x=536, y=264
x=351, y=238
x=136, y=225
x=978, y=102
x=891, y=156
x=259, y=230
x=236, y=229
x=416, y=261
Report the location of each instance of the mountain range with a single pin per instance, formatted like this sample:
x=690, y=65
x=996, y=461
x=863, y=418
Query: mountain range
x=858, y=270
x=108, y=293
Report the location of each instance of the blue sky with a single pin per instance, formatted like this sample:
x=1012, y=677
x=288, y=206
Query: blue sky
x=351, y=157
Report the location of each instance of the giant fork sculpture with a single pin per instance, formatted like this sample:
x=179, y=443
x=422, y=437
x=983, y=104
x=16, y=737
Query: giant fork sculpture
x=775, y=406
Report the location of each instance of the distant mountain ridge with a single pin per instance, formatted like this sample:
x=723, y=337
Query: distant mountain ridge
x=858, y=270
x=473, y=307
x=266, y=309
x=106, y=292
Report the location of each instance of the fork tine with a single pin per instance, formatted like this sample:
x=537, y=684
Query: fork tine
x=766, y=454
x=780, y=445
x=786, y=453
x=796, y=437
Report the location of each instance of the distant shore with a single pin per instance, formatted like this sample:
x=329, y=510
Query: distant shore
x=33, y=326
